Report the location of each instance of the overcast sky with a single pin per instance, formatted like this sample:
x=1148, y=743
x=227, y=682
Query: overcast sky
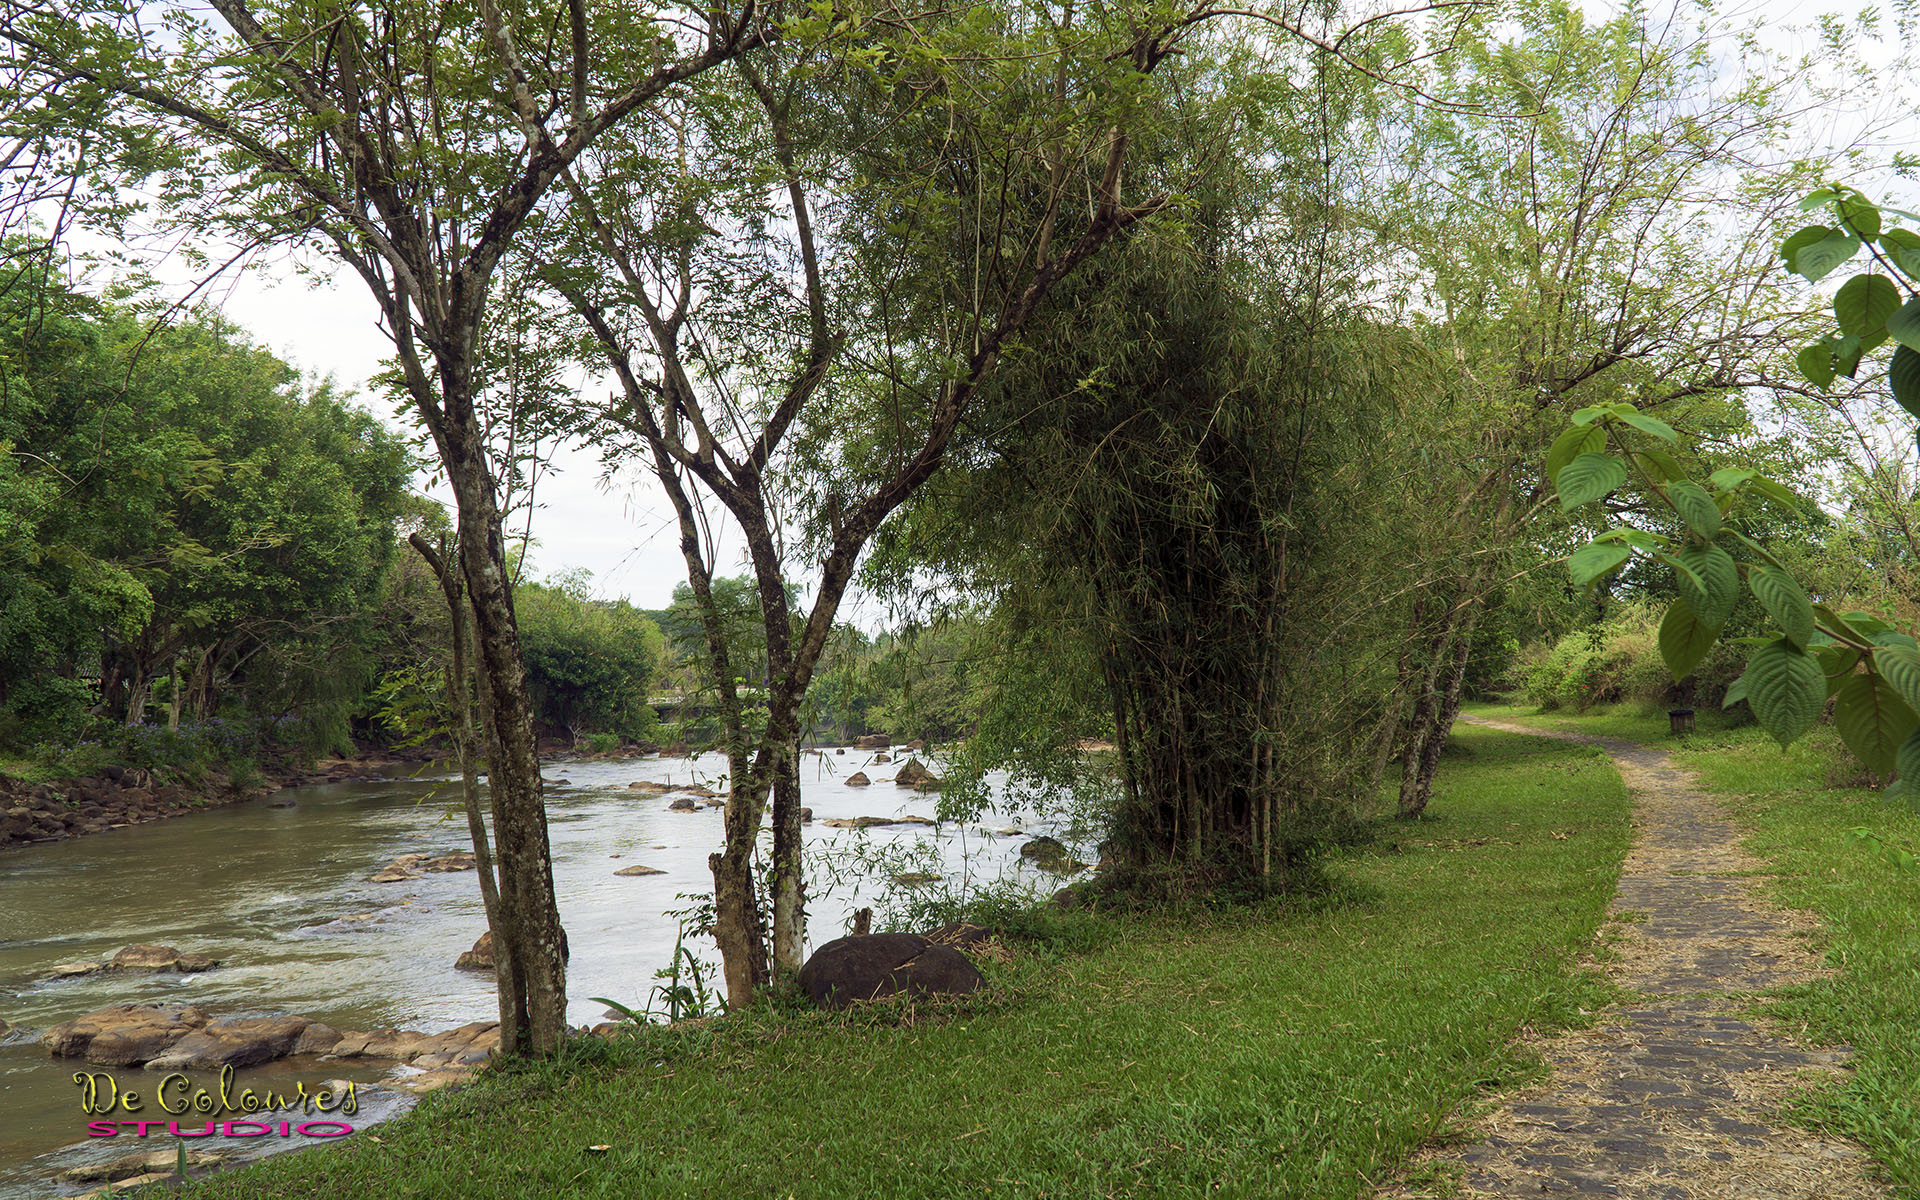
x=622, y=534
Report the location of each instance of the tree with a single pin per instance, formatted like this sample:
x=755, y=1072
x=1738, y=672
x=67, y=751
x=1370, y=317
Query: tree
x=1581, y=255
x=589, y=662
x=185, y=508
x=741, y=333
x=412, y=143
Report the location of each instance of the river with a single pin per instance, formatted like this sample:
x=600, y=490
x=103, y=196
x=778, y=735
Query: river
x=280, y=895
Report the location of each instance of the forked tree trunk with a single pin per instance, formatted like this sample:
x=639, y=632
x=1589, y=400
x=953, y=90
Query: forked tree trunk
x=1437, y=705
x=462, y=699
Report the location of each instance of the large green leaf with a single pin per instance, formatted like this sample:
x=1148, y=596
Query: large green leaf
x=1785, y=689
x=1900, y=666
x=1904, y=375
x=1597, y=560
x=1903, y=247
x=1695, y=507
x=1684, y=639
x=1816, y=363
x=1872, y=719
x=1577, y=440
x=1859, y=214
x=1785, y=601
x=1659, y=464
x=1647, y=424
x=1906, y=760
x=1823, y=256
x=1904, y=324
x=1736, y=692
x=1863, y=304
x=1711, y=582
x=1587, y=478
x=1812, y=235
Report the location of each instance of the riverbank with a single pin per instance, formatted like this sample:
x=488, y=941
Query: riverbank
x=41, y=806
x=1305, y=1049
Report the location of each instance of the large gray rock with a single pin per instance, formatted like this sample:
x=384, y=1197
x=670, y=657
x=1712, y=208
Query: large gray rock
x=851, y=969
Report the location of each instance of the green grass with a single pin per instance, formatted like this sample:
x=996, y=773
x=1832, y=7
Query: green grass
x=1801, y=824
x=1291, y=1051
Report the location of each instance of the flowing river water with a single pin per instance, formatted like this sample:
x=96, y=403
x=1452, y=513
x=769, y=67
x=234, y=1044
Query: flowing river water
x=280, y=895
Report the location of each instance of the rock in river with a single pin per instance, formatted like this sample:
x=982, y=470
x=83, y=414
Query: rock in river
x=233, y=1042
x=637, y=869
x=916, y=775
x=123, y=1035
x=858, y=779
x=851, y=969
x=480, y=958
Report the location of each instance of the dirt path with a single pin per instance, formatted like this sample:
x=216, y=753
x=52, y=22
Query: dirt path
x=1673, y=1095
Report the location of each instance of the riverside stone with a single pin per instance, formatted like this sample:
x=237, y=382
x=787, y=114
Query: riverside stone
x=852, y=969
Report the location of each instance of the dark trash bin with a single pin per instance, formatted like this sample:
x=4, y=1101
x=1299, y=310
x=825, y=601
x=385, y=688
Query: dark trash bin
x=1680, y=720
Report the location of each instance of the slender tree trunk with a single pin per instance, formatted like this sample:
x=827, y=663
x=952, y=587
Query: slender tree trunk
x=1438, y=703
x=529, y=933
x=789, y=863
x=462, y=700
x=200, y=691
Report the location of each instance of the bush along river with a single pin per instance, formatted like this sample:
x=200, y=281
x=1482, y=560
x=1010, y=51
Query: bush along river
x=345, y=906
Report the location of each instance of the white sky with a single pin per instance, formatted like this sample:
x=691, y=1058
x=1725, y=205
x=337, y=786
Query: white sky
x=624, y=536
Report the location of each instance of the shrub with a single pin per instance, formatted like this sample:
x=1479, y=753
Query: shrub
x=1618, y=661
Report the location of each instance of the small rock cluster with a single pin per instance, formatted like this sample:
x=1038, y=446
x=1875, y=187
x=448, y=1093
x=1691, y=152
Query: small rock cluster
x=163, y=1037
x=412, y=866
x=140, y=957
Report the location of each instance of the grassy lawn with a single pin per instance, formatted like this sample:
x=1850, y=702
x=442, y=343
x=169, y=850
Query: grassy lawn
x=1299, y=1051
x=1802, y=824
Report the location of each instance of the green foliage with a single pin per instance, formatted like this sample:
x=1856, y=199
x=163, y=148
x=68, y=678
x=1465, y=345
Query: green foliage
x=589, y=662
x=1621, y=660
x=177, y=509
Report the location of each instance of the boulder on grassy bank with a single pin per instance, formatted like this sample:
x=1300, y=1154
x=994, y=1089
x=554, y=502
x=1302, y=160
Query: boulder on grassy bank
x=851, y=969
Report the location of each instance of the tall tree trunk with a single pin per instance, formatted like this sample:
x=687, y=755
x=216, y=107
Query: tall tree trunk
x=789, y=866
x=462, y=698
x=529, y=933
x=1445, y=713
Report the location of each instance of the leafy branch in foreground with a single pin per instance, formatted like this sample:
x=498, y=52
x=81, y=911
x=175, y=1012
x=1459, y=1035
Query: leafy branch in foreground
x=1870, y=670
